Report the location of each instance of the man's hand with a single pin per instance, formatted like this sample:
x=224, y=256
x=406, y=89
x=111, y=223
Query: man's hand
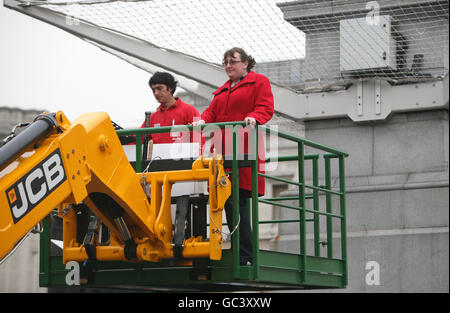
x=250, y=121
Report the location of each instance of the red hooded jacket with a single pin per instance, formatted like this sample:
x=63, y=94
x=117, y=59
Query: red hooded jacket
x=251, y=97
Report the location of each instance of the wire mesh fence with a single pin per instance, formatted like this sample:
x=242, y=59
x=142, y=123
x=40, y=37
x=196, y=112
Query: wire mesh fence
x=304, y=45
x=400, y=41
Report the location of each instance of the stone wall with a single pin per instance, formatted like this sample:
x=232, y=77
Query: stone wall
x=397, y=200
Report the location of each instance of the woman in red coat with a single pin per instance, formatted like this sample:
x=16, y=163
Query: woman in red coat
x=246, y=96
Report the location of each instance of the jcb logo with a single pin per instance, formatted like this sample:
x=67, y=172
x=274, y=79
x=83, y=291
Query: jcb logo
x=28, y=191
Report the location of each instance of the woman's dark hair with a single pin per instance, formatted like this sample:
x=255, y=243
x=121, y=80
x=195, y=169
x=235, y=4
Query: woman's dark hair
x=244, y=57
x=163, y=78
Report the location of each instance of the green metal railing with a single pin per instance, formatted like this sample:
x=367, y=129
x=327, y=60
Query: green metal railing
x=301, y=157
x=270, y=269
x=314, y=191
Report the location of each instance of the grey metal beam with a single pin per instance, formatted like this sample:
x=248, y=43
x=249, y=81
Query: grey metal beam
x=187, y=84
x=420, y=96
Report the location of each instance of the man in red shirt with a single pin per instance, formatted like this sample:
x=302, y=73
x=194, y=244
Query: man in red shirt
x=172, y=111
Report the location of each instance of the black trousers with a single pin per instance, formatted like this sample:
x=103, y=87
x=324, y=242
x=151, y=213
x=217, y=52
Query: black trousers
x=245, y=231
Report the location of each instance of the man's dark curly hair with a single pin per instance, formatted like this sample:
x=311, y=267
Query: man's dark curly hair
x=163, y=78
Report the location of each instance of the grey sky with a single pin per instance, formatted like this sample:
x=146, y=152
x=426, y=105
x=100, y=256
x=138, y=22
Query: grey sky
x=42, y=67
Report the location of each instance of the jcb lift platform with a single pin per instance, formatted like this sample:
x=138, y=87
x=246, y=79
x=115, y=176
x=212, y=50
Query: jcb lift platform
x=116, y=219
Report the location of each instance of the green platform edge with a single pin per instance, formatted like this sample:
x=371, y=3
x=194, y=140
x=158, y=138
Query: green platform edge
x=322, y=273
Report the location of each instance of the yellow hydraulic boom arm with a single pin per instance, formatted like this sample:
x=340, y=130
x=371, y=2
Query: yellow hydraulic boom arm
x=57, y=164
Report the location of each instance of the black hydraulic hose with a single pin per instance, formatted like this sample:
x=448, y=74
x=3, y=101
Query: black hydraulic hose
x=39, y=128
x=145, y=143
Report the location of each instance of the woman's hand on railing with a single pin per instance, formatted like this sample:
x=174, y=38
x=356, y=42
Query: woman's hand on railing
x=198, y=123
x=250, y=121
